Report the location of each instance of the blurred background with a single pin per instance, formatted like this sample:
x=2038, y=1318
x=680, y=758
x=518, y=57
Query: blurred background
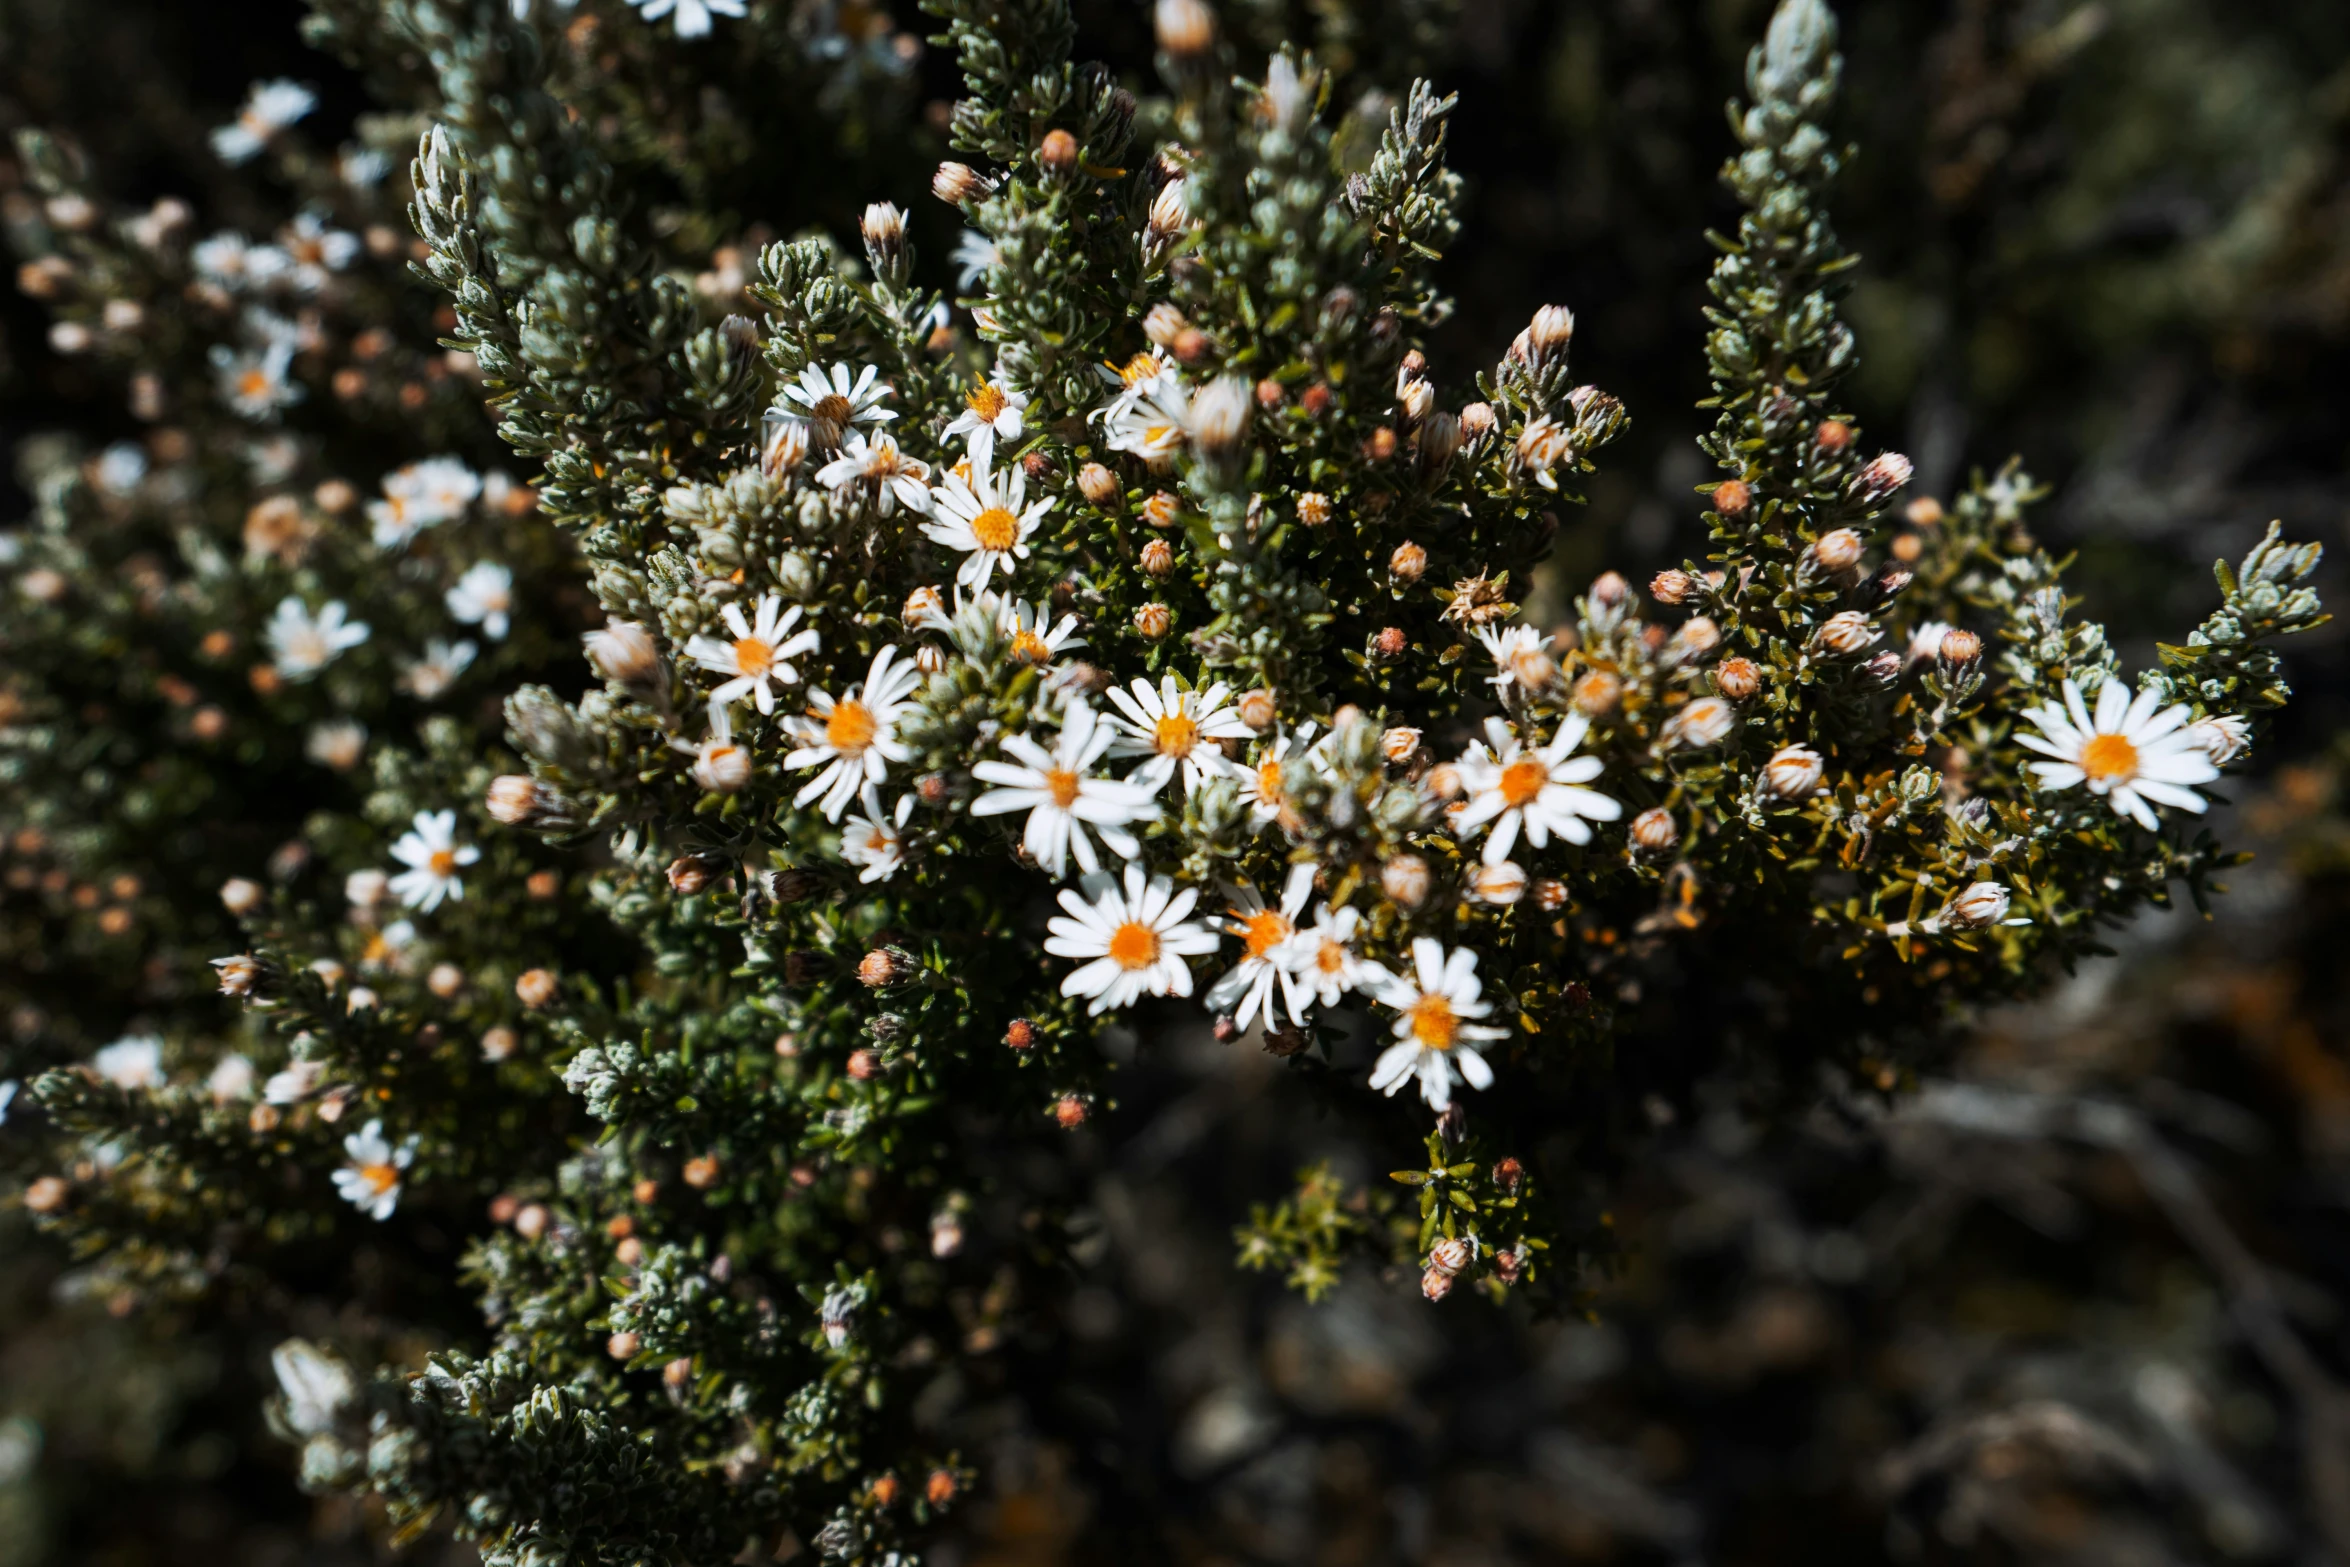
x=2085, y=1297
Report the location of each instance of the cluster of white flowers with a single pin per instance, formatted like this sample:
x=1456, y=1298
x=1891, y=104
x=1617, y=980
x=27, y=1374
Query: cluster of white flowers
x=419, y=496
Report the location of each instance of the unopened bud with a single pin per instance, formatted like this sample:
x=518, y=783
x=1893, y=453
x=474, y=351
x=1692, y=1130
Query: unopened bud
x=1501, y=885
x=535, y=987
x=239, y=896
x=691, y=873
x=1609, y=591
x=1408, y=564
x=1440, y=440
x=1390, y=642
x=956, y=183
x=700, y=1173
x=1833, y=435
x=1596, y=692
x=1399, y=745
x=1020, y=1034
x=1960, y=647
x=1163, y=510
x=239, y=975
x=1186, y=28
x=1737, y=678
x=1162, y=323
x=623, y=651
x=1435, y=1283
x=1313, y=509
x=1405, y=879
x=1671, y=586
x=445, y=980
x=884, y=967
x=864, y=1065
x=1793, y=774
x=622, y=1346
x=1654, y=830
x=1698, y=636
x=1153, y=621
x=519, y=800
x=1449, y=1255
x=1257, y=709
x=1885, y=473
x=1834, y=552
x=1731, y=498
x=1100, y=486
x=1158, y=559
x=1704, y=722
x=1551, y=330
x=1070, y=1111
x=722, y=767
x=1847, y=632
x=1057, y=153
x=1982, y=904
x=883, y=229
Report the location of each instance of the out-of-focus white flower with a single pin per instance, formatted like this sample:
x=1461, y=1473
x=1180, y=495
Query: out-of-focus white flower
x=974, y=254
x=338, y=743
x=121, y=467
x=874, y=841
x=693, y=16
x=483, y=597
x=231, y=1079
x=1265, y=785
x=269, y=108
x=2223, y=738
x=433, y=856
x=417, y=496
x=316, y=251
x=257, y=381
x=302, y=644
x=371, y=1181
x=1137, y=937
x=438, y=669
x=1519, y=659
x=133, y=1061
x=316, y=1387
x=876, y=463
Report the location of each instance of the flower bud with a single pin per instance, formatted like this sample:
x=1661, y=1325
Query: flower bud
x=1501, y=885
x=1731, y=498
x=519, y=800
x=1671, y=586
x=1219, y=420
x=1390, y=642
x=1847, y=632
x=499, y=1043
x=1832, y=435
x=445, y=980
x=1440, y=440
x=1436, y=1284
x=1405, y=879
x=623, y=651
x=1697, y=637
x=690, y=874
x=1153, y=621
x=700, y=1172
x=1163, y=509
x=1313, y=509
x=1552, y=329
x=1982, y=904
x=1449, y=1255
x=1070, y=1111
x=783, y=443
x=1596, y=692
x=864, y=1066
x=1100, y=486
x=887, y=966
x=1704, y=722
x=1158, y=559
x=957, y=183
x=1186, y=28
x=239, y=896
x=1163, y=323
x=535, y=988
x=1885, y=473
x=1793, y=774
x=622, y=1346
x=1257, y=709
x=364, y=889
x=1655, y=831
x=1959, y=648
x=721, y=766
x=1408, y=564
x=1399, y=745
x=1057, y=153
x=2222, y=738
x=1020, y=1034
x=1737, y=678
x=883, y=229
x=1834, y=552
x=1477, y=422
x=239, y=975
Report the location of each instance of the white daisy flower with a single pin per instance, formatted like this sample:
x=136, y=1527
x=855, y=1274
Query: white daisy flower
x=121, y=467
x=338, y=743
x=134, y=1061
x=438, y=669
x=1266, y=783
x=991, y=409
x=974, y=254
x=1035, y=638
x=983, y=517
x=297, y=1082
x=484, y=596
x=301, y=645
x=720, y=764
x=316, y=1386
x=230, y=261
x=316, y=251
x=257, y=381
x=874, y=841
x=416, y=497
x=693, y=16
x=1538, y=790
x=371, y=1181
x=1323, y=960
x=1437, y=1035
x=1152, y=419
x=758, y=656
x=433, y=856
x=1137, y=938
x=854, y=738
x=1519, y=659
x=1267, y=958
x=1068, y=804
x=269, y=108
x=232, y=1078
x=836, y=405
x=2127, y=751
x=894, y=478
x=1177, y=729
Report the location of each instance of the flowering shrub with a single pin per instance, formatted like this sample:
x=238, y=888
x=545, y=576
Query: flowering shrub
x=1128, y=632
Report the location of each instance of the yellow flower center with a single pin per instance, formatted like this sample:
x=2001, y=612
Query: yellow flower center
x=1433, y=1023
x=1029, y=648
x=380, y=1178
x=1140, y=368
x=1175, y=735
x=253, y=383
x=443, y=862
x=1330, y=957
x=2109, y=757
x=1269, y=782
x=1264, y=930
x=850, y=728
x=1061, y=784
x=752, y=656
x=987, y=400
x=996, y=529
x=1521, y=781
x=1134, y=945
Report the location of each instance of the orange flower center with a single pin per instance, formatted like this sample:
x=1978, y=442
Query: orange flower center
x=752, y=656
x=987, y=400
x=1330, y=958
x=253, y=383
x=1140, y=368
x=1269, y=782
x=443, y=862
x=1175, y=735
x=1134, y=945
x=1433, y=1023
x=2108, y=757
x=1061, y=784
x=1029, y=648
x=380, y=1178
x=850, y=728
x=996, y=529
x=1522, y=780
x=1264, y=930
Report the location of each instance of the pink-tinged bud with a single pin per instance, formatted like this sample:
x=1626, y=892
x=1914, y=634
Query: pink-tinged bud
x=1704, y=722
x=445, y=980
x=1186, y=28
x=1163, y=323
x=1057, y=153
x=1020, y=1034
x=1609, y=591
x=1408, y=564
x=1737, y=678
x=1848, y=633
x=1833, y=435
x=690, y=874
x=1654, y=831
x=1671, y=586
x=1885, y=473
x=1399, y=745
x=1071, y=1110
x=1440, y=440
x=239, y=975
x=1436, y=1284
x=520, y=801
x=1552, y=329
x=864, y=1066
x=885, y=967
x=623, y=1346
x=957, y=183
x=1960, y=647
x=1596, y=692
x=535, y=988
x=1477, y=422
x=1793, y=774
x=1163, y=510
x=1449, y=1255
x=721, y=766
x=1158, y=559
x=1834, y=553
x=1100, y=486
x=1313, y=509
x=1731, y=498
x=1500, y=885
x=2223, y=739
x=1257, y=709
x=499, y=1043
x=1698, y=636
x=1405, y=879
